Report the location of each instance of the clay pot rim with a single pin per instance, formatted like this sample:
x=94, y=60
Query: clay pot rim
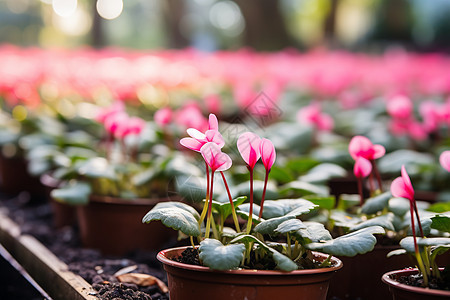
x=130, y=201
x=162, y=257
x=386, y=278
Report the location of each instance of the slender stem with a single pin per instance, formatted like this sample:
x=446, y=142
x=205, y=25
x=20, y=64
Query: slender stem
x=360, y=191
x=416, y=247
x=208, y=218
x=214, y=228
x=326, y=262
x=263, y=194
x=418, y=219
x=289, y=247
x=372, y=188
x=250, y=216
x=205, y=206
x=233, y=211
x=192, y=241
x=377, y=174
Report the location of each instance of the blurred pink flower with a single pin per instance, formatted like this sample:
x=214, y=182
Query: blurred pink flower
x=190, y=116
x=431, y=115
x=312, y=115
x=444, y=160
x=361, y=146
x=362, y=167
x=163, y=116
x=130, y=126
x=106, y=112
x=400, y=106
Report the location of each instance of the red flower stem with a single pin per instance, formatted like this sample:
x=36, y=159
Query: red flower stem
x=250, y=214
x=377, y=174
x=418, y=219
x=416, y=247
x=236, y=223
x=372, y=188
x=263, y=194
x=205, y=206
x=208, y=218
x=360, y=191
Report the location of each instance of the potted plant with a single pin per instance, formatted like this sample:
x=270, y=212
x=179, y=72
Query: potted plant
x=272, y=255
x=116, y=182
x=427, y=281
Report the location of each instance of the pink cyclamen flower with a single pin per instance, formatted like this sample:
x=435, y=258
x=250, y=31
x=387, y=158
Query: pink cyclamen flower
x=132, y=126
x=360, y=146
x=249, y=147
x=444, y=159
x=312, y=115
x=268, y=153
x=106, y=112
x=399, y=107
x=197, y=139
x=402, y=187
x=116, y=123
x=362, y=167
x=163, y=116
x=215, y=158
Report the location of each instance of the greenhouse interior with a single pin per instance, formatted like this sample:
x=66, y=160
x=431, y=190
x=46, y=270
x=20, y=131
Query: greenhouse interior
x=224, y=149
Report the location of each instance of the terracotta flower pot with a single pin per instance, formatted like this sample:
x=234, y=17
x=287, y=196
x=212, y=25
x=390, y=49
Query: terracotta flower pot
x=402, y=291
x=189, y=282
x=114, y=226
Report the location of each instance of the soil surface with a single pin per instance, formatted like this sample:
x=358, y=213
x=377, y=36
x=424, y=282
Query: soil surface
x=35, y=218
x=434, y=283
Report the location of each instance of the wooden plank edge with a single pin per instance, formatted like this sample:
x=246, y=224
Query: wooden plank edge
x=44, y=267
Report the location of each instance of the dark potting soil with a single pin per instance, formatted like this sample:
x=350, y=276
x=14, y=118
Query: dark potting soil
x=189, y=256
x=36, y=219
x=434, y=283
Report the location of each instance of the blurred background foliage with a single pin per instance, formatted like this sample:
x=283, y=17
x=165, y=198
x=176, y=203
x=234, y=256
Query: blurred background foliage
x=266, y=25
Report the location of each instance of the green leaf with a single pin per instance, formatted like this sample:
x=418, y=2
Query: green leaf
x=392, y=162
x=289, y=226
x=281, y=175
x=301, y=165
x=144, y=177
x=304, y=188
x=97, y=167
x=376, y=204
x=186, y=207
x=324, y=202
x=441, y=223
x=224, y=208
x=396, y=252
x=357, y=242
x=425, y=221
x=314, y=232
x=323, y=172
x=407, y=243
x=399, y=206
x=348, y=200
x=439, y=207
x=192, y=188
x=74, y=193
x=269, y=226
x=439, y=250
x=283, y=262
x=215, y=255
x=384, y=221
x=176, y=218
x=282, y=207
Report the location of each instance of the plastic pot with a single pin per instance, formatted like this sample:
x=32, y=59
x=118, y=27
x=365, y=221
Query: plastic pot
x=189, y=282
x=402, y=291
x=114, y=226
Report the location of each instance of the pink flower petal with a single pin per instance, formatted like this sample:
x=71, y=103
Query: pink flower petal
x=163, y=116
x=191, y=143
x=398, y=189
x=444, y=160
x=268, y=153
x=215, y=158
x=362, y=167
x=215, y=137
x=248, y=145
x=360, y=146
x=213, y=123
x=194, y=133
x=379, y=151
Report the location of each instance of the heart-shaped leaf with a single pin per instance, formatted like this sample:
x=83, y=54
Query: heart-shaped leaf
x=186, y=207
x=322, y=173
x=224, y=208
x=216, y=256
x=74, y=193
x=441, y=223
x=325, y=202
x=269, y=226
x=399, y=206
x=357, y=242
x=290, y=226
x=385, y=221
x=176, y=218
x=282, y=207
x=314, y=232
x=376, y=204
x=407, y=243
